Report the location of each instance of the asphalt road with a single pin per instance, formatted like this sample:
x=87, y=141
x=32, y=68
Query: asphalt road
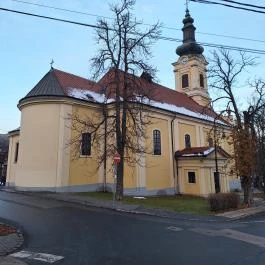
x=89, y=236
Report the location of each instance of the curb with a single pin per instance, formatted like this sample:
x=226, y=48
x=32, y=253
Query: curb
x=88, y=204
x=220, y=218
x=244, y=213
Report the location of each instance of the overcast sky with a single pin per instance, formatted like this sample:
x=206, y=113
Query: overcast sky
x=29, y=44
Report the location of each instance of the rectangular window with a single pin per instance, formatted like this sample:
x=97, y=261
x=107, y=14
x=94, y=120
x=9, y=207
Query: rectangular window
x=185, y=80
x=16, y=152
x=201, y=80
x=191, y=177
x=86, y=144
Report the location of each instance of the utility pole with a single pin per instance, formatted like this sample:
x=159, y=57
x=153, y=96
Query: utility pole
x=216, y=173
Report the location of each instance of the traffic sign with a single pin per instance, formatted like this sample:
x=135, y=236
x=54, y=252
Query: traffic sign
x=117, y=158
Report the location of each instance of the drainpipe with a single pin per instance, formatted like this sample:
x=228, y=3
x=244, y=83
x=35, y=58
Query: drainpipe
x=105, y=149
x=173, y=157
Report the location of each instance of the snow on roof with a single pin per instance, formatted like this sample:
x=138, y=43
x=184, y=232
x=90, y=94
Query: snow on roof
x=184, y=111
x=201, y=153
x=207, y=152
x=88, y=95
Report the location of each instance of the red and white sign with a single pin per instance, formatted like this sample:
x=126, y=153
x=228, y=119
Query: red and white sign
x=117, y=158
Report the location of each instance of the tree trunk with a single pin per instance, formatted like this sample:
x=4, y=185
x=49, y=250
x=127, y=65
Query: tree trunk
x=246, y=185
x=263, y=184
x=119, y=185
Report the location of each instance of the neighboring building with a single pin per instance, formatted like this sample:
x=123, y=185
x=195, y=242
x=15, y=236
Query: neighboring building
x=183, y=160
x=3, y=155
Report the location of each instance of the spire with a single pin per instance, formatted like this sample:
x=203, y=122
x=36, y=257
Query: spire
x=189, y=46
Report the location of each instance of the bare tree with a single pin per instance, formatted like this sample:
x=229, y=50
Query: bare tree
x=225, y=72
x=123, y=53
x=259, y=127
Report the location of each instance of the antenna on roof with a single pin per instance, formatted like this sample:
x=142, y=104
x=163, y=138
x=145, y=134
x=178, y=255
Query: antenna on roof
x=51, y=63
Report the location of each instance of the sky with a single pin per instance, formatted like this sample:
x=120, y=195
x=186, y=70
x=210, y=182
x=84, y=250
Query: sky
x=29, y=44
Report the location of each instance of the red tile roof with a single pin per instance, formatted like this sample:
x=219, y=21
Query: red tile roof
x=68, y=80
x=200, y=151
x=159, y=93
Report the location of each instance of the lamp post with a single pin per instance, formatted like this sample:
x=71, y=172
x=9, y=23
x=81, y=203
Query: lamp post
x=116, y=160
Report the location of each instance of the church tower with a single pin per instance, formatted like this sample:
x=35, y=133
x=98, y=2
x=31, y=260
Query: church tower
x=190, y=69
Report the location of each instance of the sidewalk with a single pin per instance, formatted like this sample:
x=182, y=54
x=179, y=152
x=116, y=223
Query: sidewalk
x=122, y=207
x=10, y=261
x=258, y=207
x=126, y=208
x=119, y=206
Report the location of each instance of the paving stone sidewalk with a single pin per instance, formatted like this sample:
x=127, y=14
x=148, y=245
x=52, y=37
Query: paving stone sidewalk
x=11, y=239
x=242, y=213
x=257, y=208
x=10, y=261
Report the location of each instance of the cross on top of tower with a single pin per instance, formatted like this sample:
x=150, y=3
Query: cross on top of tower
x=51, y=63
x=187, y=4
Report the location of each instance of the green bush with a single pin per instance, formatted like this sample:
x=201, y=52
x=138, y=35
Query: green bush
x=223, y=201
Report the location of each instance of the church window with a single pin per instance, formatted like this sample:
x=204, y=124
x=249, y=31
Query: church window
x=185, y=80
x=86, y=144
x=187, y=141
x=191, y=177
x=16, y=152
x=156, y=142
x=210, y=142
x=201, y=80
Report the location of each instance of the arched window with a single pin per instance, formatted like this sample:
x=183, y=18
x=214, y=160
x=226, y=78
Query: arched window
x=86, y=144
x=156, y=142
x=185, y=80
x=16, y=152
x=210, y=142
x=187, y=141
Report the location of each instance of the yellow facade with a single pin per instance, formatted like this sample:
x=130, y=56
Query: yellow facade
x=158, y=170
x=86, y=170
x=83, y=169
x=56, y=164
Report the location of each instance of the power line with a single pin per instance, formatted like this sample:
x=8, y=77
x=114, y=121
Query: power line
x=213, y=45
x=61, y=9
x=146, y=24
x=243, y=4
x=227, y=5
x=50, y=18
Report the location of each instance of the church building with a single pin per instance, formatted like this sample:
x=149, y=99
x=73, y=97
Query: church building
x=185, y=157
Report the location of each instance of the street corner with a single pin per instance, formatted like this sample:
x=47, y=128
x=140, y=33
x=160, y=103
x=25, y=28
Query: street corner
x=10, y=261
x=243, y=213
x=11, y=239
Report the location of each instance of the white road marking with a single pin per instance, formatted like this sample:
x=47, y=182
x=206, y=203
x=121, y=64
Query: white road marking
x=49, y=258
x=233, y=234
x=174, y=228
x=251, y=222
x=248, y=238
